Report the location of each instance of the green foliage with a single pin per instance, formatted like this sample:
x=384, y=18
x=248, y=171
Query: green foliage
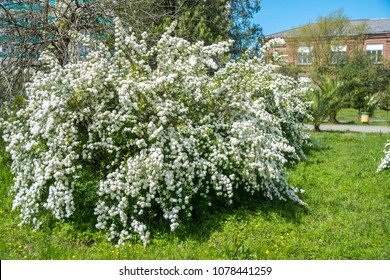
x=243, y=31
x=291, y=71
x=207, y=20
x=326, y=97
x=362, y=79
x=382, y=100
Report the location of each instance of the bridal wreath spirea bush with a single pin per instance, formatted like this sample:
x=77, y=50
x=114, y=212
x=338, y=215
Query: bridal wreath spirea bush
x=153, y=131
x=385, y=164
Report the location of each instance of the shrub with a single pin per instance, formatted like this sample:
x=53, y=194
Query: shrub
x=385, y=163
x=145, y=132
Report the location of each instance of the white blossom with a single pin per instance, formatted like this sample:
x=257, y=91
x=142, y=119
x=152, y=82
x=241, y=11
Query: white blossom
x=385, y=163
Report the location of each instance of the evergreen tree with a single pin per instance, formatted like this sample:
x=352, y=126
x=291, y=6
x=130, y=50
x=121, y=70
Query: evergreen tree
x=243, y=31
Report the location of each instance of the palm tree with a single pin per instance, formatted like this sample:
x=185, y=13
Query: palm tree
x=326, y=97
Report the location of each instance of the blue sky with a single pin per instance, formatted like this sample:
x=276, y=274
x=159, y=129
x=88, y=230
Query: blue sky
x=279, y=15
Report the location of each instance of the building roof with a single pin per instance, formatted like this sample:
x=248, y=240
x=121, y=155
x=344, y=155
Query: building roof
x=374, y=26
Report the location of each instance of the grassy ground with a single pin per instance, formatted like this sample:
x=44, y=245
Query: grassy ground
x=348, y=217
x=351, y=116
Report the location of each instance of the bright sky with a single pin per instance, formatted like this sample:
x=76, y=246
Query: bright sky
x=280, y=15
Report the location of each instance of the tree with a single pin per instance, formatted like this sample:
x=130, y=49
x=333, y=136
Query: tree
x=327, y=39
x=384, y=101
x=29, y=27
x=245, y=33
x=326, y=96
x=207, y=20
x=362, y=79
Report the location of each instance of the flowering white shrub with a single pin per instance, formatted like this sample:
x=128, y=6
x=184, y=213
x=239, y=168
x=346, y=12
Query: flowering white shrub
x=385, y=163
x=160, y=130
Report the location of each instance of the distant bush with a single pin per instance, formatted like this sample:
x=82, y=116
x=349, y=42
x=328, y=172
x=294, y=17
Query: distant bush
x=152, y=132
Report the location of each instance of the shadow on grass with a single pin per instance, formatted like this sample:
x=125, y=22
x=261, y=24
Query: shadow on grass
x=204, y=223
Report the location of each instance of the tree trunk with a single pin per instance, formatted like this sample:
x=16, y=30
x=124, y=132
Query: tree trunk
x=332, y=117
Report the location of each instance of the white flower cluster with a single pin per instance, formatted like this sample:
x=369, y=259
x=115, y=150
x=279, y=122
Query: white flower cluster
x=270, y=47
x=160, y=128
x=385, y=163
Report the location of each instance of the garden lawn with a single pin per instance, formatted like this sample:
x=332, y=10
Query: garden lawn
x=351, y=116
x=348, y=217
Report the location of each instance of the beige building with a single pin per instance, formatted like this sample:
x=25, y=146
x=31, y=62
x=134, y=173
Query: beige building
x=376, y=43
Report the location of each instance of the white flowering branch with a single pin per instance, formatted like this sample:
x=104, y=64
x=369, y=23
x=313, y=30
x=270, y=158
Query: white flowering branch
x=385, y=163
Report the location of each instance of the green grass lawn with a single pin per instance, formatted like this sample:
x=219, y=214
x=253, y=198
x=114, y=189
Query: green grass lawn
x=351, y=116
x=348, y=217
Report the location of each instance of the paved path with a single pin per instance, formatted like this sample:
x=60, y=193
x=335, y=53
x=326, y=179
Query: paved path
x=354, y=128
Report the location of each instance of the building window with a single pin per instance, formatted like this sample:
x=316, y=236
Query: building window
x=375, y=51
x=339, y=54
x=304, y=55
